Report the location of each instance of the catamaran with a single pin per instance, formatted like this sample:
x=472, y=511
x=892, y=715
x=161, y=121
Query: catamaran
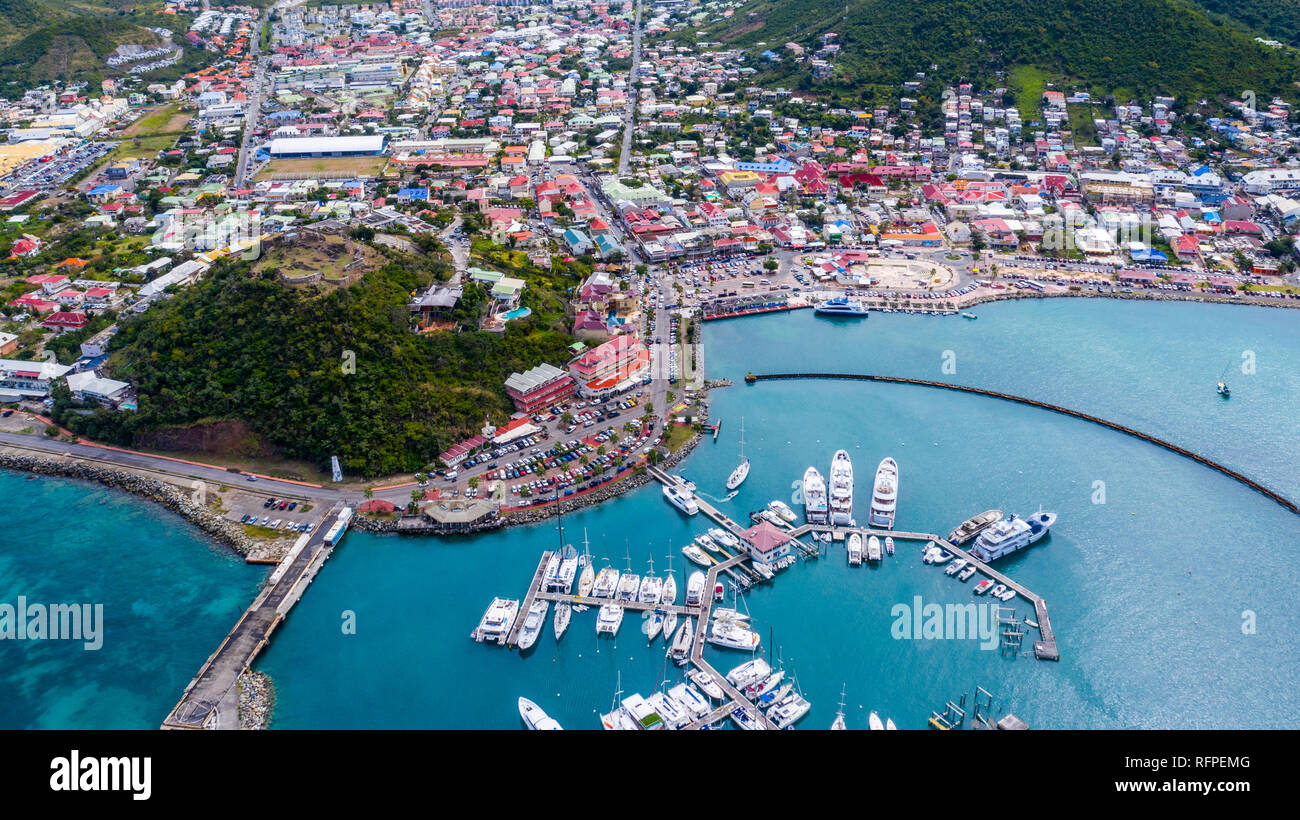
x=748, y=673
x=609, y=619
x=741, y=472
x=841, y=489
x=563, y=613
x=606, y=583
x=884, y=494
x=651, y=586
x=628, y=584
x=533, y=623
x=496, y=622
x=814, y=496
x=733, y=635
x=535, y=718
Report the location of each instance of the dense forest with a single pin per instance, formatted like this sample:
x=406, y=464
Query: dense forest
x=1129, y=47
x=319, y=373
x=1277, y=19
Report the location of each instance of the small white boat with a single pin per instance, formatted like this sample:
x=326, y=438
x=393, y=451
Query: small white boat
x=1031, y=622
x=956, y=566
x=1008, y=594
x=563, y=613
x=707, y=684
x=723, y=538
x=966, y=574
x=782, y=509
x=982, y=587
x=763, y=570
x=873, y=548
x=727, y=614
x=706, y=542
x=718, y=592
x=873, y=720
x=889, y=724
x=533, y=623
x=998, y=590
x=695, y=589
x=654, y=623
x=696, y=555
x=855, y=550
x=535, y=718
x=942, y=557
x=889, y=545
x=680, y=650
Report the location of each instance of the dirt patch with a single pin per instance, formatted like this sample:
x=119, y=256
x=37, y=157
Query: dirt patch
x=307, y=257
x=228, y=438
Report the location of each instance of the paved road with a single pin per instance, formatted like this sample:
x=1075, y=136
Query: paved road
x=254, y=106
x=629, y=117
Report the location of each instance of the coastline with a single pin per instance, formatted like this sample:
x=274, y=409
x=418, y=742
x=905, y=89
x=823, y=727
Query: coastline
x=159, y=492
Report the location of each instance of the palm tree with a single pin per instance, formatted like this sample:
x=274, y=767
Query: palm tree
x=369, y=492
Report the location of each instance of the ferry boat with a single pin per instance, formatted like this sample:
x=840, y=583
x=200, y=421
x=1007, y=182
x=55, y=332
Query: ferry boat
x=873, y=548
x=783, y=510
x=741, y=472
x=696, y=555
x=609, y=619
x=841, y=489
x=884, y=494
x=982, y=587
x=496, y=622
x=681, y=498
x=842, y=306
x=965, y=574
x=814, y=497
x=563, y=614
x=680, y=650
x=695, y=589
x=722, y=538
x=1010, y=534
x=707, y=684
x=972, y=526
x=855, y=550
x=606, y=583
x=535, y=718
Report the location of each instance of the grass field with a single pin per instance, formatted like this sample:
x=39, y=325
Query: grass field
x=1027, y=84
x=327, y=167
x=1081, y=117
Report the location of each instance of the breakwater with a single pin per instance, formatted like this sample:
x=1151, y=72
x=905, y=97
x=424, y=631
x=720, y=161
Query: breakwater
x=752, y=378
x=159, y=492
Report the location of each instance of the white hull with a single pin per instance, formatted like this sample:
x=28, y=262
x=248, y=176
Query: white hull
x=840, y=489
x=738, y=475
x=563, y=614
x=535, y=718
x=884, y=494
x=814, y=497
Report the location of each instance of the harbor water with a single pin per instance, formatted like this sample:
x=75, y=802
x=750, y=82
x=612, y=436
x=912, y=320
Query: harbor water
x=1168, y=583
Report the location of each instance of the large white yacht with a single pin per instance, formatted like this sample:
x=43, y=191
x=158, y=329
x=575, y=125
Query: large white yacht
x=606, y=583
x=842, y=306
x=814, y=496
x=681, y=498
x=609, y=619
x=533, y=623
x=1010, y=534
x=733, y=635
x=841, y=489
x=695, y=588
x=884, y=494
x=535, y=718
x=498, y=619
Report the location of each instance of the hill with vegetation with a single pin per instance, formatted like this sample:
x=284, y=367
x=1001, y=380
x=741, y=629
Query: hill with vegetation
x=1131, y=48
x=318, y=371
x=1275, y=19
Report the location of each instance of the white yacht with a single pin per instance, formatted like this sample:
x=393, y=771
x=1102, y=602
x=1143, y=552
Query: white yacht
x=561, y=573
x=618, y=718
x=782, y=509
x=873, y=720
x=680, y=649
x=889, y=725
x=695, y=588
x=535, y=718
x=743, y=718
x=814, y=497
x=760, y=688
x=841, y=489
x=723, y=538
x=668, y=708
x=873, y=549
x=681, y=498
x=841, y=306
x=668, y=594
x=609, y=619
x=654, y=623
x=741, y=472
x=724, y=614
x=1010, y=534
x=563, y=614
x=588, y=577
x=787, y=713
x=839, y=724
x=1008, y=594
x=884, y=494
x=643, y=713
x=749, y=673
x=606, y=583
x=733, y=635
x=956, y=566
x=651, y=586
x=498, y=619
x=966, y=574
x=533, y=623
x=691, y=700
x=628, y=584
x=697, y=555
x=855, y=550
x=707, y=684
x=707, y=542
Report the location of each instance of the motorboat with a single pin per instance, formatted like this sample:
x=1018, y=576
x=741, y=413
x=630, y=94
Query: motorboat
x=956, y=566
x=563, y=613
x=814, y=497
x=696, y=555
x=873, y=721
x=982, y=587
x=889, y=545
x=884, y=494
x=873, y=549
x=972, y=526
x=855, y=549
x=966, y=574
x=535, y=718
x=764, y=571
x=609, y=619
x=840, y=489
x=695, y=589
x=723, y=538
x=707, y=684
x=533, y=623
x=841, y=306
x=681, y=498
x=998, y=590
x=718, y=592
x=1007, y=594
x=1010, y=534
x=942, y=558
x=706, y=542
x=497, y=620
x=783, y=510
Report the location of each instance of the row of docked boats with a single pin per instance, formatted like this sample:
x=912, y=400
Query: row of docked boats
x=770, y=692
x=830, y=500
x=872, y=552
x=873, y=720
x=963, y=570
x=668, y=708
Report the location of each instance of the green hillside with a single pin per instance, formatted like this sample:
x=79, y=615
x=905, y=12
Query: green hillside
x=1275, y=19
x=1130, y=47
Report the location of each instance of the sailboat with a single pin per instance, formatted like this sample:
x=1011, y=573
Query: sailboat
x=563, y=612
x=839, y=716
x=741, y=472
x=1222, y=389
x=588, y=577
x=669, y=596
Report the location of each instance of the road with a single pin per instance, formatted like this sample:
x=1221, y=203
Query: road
x=254, y=107
x=629, y=117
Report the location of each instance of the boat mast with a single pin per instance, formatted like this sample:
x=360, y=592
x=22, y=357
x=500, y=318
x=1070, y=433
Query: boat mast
x=742, y=438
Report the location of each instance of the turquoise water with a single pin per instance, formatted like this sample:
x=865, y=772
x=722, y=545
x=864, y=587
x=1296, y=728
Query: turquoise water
x=517, y=313
x=1147, y=592
x=168, y=593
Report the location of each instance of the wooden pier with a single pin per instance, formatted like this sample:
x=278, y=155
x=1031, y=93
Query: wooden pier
x=512, y=639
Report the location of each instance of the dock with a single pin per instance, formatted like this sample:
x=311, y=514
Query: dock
x=211, y=700
x=512, y=639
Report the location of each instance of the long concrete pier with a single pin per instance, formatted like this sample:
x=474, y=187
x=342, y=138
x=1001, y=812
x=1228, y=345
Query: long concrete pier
x=211, y=700
x=751, y=378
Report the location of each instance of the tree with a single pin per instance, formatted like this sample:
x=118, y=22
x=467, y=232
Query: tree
x=369, y=493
